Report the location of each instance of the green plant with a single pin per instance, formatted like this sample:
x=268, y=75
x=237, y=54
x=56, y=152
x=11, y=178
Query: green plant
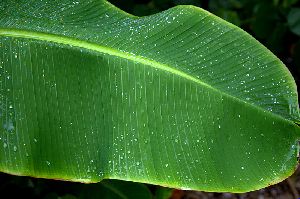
x=181, y=99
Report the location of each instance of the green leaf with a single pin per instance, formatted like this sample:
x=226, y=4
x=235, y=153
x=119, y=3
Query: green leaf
x=181, y=98
x=294, y=20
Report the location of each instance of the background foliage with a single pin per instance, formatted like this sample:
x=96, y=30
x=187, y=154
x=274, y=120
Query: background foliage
x=275, y=23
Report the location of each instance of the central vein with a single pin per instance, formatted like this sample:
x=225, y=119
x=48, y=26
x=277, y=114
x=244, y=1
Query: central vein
x=114, y=52
x=98, y=48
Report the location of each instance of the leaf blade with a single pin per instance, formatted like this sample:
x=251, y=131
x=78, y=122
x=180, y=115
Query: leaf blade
x=113, y=107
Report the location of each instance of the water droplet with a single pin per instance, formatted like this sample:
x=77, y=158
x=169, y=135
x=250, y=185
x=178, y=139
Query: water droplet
x=167, y=165
x=48, y=163
x=15, y=148
x=9, y=125
x=242, y=168
x=138, y=163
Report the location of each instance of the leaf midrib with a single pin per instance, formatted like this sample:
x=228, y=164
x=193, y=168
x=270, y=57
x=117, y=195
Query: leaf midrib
x=115, y=52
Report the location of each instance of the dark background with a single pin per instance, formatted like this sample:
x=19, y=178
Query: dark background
x=275, y=23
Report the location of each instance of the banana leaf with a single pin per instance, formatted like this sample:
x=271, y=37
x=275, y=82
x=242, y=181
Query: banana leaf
x=181, y=98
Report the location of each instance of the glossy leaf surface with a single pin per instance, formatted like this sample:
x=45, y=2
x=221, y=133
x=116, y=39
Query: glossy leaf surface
x=181, y=99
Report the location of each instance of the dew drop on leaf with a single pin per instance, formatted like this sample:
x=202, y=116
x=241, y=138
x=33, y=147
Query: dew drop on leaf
x=9, y=125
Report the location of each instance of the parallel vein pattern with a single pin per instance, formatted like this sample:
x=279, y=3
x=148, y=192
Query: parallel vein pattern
x=180, y=99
